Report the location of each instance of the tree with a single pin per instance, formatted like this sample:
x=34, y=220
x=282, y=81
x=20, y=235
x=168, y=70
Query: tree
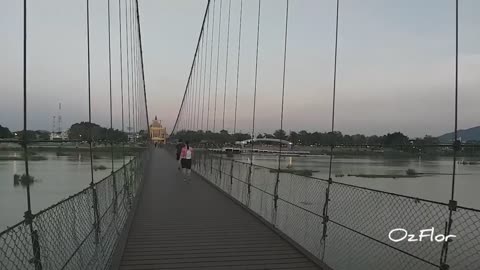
x=396, y=138
x=241, y=136
x=31, y=135
x=293, y=137
x=303, y=137
x=42, y=135
x=5, y=133
x=280, y=134
x=81, y=131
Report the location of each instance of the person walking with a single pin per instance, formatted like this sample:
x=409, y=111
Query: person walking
x=186, y=161
x=179, y=148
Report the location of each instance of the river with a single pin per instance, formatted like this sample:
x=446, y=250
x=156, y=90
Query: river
x=57, y=177
x=435, y=184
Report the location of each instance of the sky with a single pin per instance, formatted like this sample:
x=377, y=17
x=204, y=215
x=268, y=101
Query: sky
x=395, y=63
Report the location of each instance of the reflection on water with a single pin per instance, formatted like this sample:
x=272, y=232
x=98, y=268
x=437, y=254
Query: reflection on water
x=434, y=185
x=56, y=178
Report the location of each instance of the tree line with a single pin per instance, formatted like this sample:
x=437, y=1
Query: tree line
x=78, y=131
x=5, y=133
x=306, y=138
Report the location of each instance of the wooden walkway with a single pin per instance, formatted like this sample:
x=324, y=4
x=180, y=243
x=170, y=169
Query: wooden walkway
x=182, y=225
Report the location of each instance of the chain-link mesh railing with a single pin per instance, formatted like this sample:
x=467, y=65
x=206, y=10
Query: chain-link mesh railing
x=68, y=235
x=359, y=219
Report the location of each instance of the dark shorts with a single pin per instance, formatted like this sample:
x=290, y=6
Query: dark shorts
x=178, y=156
x=186, y=163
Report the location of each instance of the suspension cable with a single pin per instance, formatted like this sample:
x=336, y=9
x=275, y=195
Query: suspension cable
x=218, y=58
x=128, y=65
x=89, y=93
x=327, y=191
x=255, y=83
x=142, y=69
x=25, y=139
x=121, y=75
x=226, y=64
x=238, y=67
x=110, y=132
x=205, y=52
x=195, y=94
x=211, y=64
x=199, y=84
x=191, y=68
x=283, y=102
x=457, y=145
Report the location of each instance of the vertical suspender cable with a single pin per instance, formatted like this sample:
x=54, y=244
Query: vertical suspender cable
x=211, y=59
x=127, y=40
x=24, y=135
x=457, y=146
x=28, y=214
x=327, y=192
x=197, y=87
x=238, y=67
x=109, y=134
x=216, y=75
x=142, y=70
x=194, y=96
x=110, y=131
x=197, y=78
x=121, y=89
x=134, y=72
x=90, y=139
x=134, y=66
x=205, y=52
x=191, y=68
x=282, y=106
x=226, y=64
x=200, y=83
x=254, y=97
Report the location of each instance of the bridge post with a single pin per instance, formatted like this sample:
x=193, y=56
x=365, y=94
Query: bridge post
x=96, y=216
x=36, y=260
x=231, y=177
x=275, y=198
x=115, y=195
x=249, y=181
x=126, y=184
x=220, y=170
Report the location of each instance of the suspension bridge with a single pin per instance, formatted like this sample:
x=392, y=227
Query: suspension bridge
x=233, y=214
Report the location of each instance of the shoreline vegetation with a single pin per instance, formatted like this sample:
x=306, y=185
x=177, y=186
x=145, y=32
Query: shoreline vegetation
x=35, y=152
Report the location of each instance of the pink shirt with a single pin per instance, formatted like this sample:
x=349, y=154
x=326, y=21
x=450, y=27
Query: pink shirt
x=186, y=153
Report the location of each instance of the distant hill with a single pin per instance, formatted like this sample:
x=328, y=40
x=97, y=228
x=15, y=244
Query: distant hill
x=471, y=134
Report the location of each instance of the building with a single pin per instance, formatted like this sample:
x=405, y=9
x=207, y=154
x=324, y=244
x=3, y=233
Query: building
x=158, y=134
x=59, y=136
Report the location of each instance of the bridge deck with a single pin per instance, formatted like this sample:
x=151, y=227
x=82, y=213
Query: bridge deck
x=182, y=225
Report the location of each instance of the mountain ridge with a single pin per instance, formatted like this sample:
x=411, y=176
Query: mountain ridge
x=469, y=134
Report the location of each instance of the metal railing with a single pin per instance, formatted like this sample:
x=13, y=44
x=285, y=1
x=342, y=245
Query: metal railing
x=69, y=234
x=359, y=219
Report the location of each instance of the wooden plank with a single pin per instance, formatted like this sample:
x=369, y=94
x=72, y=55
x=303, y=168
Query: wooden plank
x=182, y=225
